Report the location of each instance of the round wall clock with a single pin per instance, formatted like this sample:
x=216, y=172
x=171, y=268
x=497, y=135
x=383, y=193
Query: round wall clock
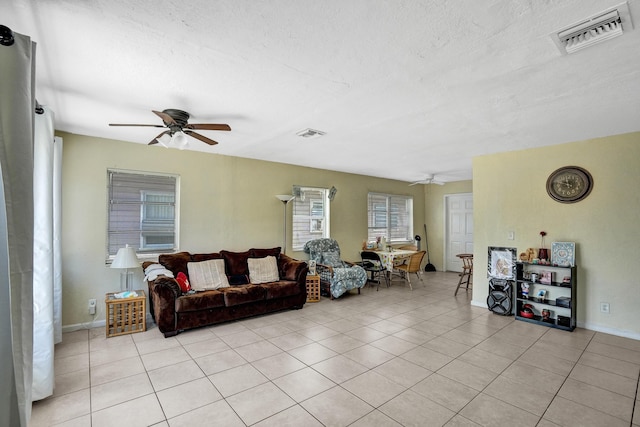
x=569, y=184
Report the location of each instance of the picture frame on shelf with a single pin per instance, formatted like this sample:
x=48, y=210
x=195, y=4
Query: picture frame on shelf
x=501, y=263
x=546, y=277
x=563, y=254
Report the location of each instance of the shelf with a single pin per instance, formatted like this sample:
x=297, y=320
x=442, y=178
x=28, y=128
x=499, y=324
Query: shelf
x=546, y=265
x=551, y=303
x=556, y=284
x=551, y=322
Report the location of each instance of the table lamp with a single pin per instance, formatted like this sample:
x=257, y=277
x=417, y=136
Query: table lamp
x=125, y=259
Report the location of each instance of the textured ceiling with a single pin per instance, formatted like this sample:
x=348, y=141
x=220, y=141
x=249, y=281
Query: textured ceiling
x=402, y=88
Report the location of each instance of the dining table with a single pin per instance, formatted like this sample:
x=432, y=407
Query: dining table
x=388, y=257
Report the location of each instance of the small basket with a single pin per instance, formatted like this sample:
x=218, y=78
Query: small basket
x=313, y=288
x=126, y=315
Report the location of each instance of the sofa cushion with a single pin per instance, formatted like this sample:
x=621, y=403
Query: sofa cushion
x=243, y=294
x=261, y=253
x=290, y=268
x=207, y=275
x=236, y=262
x=205, y=257
x=183, y=282
x=238, y=279
x=200, y=301
x=263, y=270
x=281, y=289
x=175, y=262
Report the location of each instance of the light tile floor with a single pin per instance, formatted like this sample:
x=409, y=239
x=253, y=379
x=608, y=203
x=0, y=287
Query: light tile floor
x=383, y=358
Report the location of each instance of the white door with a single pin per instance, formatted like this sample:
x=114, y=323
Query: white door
x=459, y=229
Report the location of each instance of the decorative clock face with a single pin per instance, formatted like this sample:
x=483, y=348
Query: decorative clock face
x=569, y=184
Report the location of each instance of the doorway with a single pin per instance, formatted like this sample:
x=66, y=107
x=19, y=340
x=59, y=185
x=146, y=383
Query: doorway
x=458, y=229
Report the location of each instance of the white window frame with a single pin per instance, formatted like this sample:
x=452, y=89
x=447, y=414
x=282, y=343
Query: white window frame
x=384, y=219
x=148, y=226
x=138, y=228
x=307, y=224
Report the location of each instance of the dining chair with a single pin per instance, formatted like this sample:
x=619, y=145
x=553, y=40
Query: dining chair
x=372, y=264
x=413, y=266
x=401, y=261
x=467, y=271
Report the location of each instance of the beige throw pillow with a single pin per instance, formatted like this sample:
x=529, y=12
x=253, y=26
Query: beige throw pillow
x=263, y=270
x=207, y=275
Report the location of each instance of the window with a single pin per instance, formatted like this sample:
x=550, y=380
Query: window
x=391, y=217
x=142, y=212
x=310, y=215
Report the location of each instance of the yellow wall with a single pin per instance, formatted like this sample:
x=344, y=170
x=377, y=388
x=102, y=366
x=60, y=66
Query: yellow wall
x=226, y=203
x=510, y=195
x=435, y=217
x=229, y=203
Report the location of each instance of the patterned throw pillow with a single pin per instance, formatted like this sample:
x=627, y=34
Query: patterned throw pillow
x=263, y=270
x=332, y=259
x=207, y=275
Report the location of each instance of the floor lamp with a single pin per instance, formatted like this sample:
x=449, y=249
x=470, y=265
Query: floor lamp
x=285, y=199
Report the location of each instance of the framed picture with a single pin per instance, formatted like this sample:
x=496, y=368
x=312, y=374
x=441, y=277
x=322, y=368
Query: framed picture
x=312, y=268
x=546, y=277
x=563, y=253
x=501, y=262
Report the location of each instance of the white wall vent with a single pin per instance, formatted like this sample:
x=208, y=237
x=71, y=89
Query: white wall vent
x=596, y=29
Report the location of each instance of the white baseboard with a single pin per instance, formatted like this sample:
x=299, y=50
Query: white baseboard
x=617, y=332
x=91, y=325
x=585, y=325
x=80, y=326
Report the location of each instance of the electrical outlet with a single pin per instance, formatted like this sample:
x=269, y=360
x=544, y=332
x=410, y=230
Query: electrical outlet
x=92, y=306
x=511, y=235
x=604, y=307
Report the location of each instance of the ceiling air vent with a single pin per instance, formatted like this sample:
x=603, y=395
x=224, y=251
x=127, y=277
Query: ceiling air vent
x=596, y=29
x=310, y=133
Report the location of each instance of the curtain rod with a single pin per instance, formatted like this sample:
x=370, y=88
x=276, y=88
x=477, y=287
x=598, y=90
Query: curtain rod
x=6, y=36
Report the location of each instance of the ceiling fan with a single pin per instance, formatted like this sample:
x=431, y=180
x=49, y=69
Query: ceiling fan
x=428, y=179
x=177, y=124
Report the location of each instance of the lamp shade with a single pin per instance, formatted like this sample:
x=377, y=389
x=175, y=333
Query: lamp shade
x=126, y=258
x=179, y=140
x=285, y=198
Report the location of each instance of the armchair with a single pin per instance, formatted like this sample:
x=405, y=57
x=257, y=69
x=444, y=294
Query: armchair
x=336, y=276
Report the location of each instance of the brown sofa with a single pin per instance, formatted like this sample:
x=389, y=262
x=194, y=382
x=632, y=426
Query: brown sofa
x=174, y=311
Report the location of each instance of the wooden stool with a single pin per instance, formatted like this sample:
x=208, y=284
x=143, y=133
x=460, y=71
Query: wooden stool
x=467, y=271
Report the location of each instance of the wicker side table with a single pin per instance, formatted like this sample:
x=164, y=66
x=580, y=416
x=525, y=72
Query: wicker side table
x=313, y=288
x=125, y=315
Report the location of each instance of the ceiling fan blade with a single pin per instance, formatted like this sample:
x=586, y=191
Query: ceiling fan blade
x=200, y=137
x=416, y=183
x=208, y=126
x=165, y=117
x=155, y=140
x=134, y=124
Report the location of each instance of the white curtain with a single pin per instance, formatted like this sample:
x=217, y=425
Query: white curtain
x=17, y=103
x=47, y=306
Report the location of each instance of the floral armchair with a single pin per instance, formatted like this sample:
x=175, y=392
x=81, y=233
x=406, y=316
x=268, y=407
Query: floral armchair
x=336, y=276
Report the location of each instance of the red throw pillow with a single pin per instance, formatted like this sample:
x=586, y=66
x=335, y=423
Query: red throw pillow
x=182, y=280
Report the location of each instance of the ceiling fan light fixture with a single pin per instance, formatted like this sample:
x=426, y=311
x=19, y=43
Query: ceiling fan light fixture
x=164, y=140
x=179, y=140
